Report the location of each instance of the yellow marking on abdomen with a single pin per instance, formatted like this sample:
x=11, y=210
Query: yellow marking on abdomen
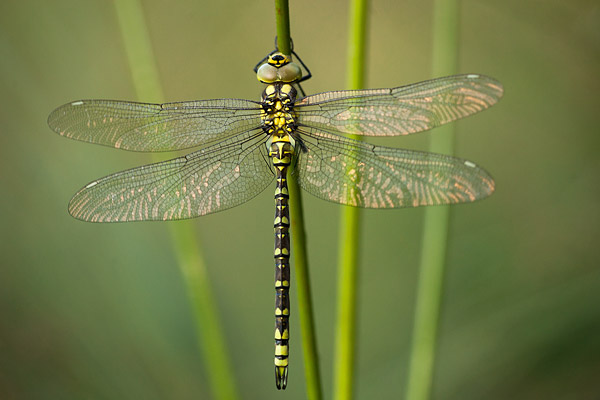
x=281, y=362
x=281, y=350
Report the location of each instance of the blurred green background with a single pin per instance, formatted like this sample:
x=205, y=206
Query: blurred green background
x=100, y=311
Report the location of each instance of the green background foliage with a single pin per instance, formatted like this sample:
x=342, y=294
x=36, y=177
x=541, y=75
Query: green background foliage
x=100, y=311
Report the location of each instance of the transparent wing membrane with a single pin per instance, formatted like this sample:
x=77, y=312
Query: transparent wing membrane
x=203, y=182
x=358, y=174
x=154, y=127
x=399, y=111
x=233, y=166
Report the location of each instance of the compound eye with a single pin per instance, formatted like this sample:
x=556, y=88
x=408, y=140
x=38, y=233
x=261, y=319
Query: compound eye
x=267, y=73
x=290, y=73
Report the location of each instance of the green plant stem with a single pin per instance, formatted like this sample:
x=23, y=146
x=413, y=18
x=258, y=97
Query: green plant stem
x=437, y=219
x=305, y=307
x=282, y=23
x=183, y=236
x=345, y=342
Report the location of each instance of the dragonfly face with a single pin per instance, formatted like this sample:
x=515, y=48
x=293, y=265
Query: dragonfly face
x=245, y=145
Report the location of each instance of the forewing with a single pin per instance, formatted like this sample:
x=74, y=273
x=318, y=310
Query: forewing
x=358, y=174
x=154, y=127
x=399, y=111
x=206, y=181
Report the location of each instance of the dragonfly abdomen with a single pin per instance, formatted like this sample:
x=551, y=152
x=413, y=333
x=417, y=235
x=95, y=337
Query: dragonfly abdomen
x=281, y=152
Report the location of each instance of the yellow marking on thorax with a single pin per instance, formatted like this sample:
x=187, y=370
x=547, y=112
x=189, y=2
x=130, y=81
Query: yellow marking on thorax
x=270, y=90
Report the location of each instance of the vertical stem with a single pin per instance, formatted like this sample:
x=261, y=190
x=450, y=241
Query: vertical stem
x=345, y=342
x=183, y=236
x=435, y=235
x=305, y=307
x=282, y=22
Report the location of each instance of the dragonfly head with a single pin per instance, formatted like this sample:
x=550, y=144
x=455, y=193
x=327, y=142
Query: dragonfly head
x=279, y=67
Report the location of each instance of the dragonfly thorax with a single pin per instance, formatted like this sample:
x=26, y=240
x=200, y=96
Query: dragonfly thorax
x=277, y=114
x=279, y=122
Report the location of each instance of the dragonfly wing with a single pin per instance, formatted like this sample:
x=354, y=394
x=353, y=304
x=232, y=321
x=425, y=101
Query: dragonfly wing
x=399, y=111
x=203, y=182
x=154, y=127
x=358, y=174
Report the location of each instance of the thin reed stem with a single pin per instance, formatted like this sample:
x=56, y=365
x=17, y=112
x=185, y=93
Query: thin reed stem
x=345, y=341
x=437, y=219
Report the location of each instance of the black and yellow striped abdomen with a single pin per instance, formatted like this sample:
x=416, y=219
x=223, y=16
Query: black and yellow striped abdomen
x=281, y=153
x=279, y=123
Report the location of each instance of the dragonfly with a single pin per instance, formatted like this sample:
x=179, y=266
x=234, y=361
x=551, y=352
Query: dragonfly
x=244, y=145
